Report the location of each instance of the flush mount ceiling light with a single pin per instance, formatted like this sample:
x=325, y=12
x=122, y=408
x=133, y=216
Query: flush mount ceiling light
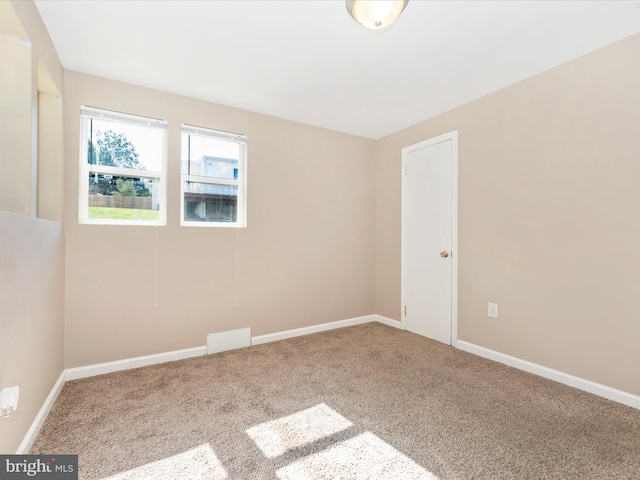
x=376, y=14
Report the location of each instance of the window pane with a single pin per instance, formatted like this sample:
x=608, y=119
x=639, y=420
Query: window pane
x=123, y=198
x=205, y=202
x=123, y=145
x=209, y=157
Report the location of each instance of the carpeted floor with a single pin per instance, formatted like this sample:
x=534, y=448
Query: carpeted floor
x=364, y=402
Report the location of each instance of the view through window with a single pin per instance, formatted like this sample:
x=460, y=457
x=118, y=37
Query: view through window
x=213, y=177
x=122, y=162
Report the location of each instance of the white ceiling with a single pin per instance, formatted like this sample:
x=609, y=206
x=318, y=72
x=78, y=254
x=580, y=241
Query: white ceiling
x=308, y=61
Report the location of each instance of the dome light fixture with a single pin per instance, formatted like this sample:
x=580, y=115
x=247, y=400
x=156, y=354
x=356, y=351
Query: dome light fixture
x=376, y=14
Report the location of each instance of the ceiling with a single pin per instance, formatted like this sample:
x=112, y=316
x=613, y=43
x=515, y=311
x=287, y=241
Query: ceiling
x=308, y=61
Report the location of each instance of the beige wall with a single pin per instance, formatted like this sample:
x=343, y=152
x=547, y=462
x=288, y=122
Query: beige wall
x=307, y=256
x=50, y=157
x=549, y=217
x=15, y=125
x=31, y=250
x=31, y=317
x=31, y=21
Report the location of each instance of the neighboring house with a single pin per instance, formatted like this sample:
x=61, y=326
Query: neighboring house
x=212, y=203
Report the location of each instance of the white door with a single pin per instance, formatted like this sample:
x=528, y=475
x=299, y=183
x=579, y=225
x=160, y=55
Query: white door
x=429, y=230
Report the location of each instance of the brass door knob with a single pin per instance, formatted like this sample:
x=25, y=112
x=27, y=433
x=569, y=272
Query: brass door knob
x=444, y=254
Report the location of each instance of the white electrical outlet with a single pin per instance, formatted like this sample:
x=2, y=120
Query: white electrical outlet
x=9, y=401
x=493, y=310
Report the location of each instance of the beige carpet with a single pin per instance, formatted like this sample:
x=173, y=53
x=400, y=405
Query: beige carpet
x=364, y=402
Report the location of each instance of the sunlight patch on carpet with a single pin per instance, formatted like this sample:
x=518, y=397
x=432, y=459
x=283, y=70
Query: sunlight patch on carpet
x=198, y=463
x=279, y=436
x=365, y=457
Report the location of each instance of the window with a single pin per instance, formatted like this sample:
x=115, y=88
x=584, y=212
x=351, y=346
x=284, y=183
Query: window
x=122, y=169
x=213, y=183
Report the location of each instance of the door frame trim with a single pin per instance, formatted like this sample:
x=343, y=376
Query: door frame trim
x=453, y=136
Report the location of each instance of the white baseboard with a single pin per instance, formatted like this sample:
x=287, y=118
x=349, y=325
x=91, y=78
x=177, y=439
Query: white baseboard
x=555, y=375
x=298, y=332
x=387, y=321
x=129, y=363
x=33, y=431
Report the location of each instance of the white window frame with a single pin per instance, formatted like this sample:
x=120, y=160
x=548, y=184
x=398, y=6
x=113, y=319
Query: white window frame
x=86, y=169
x=240, y=182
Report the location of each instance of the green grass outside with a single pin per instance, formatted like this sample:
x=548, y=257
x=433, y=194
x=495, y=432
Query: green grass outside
x=123, y=213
